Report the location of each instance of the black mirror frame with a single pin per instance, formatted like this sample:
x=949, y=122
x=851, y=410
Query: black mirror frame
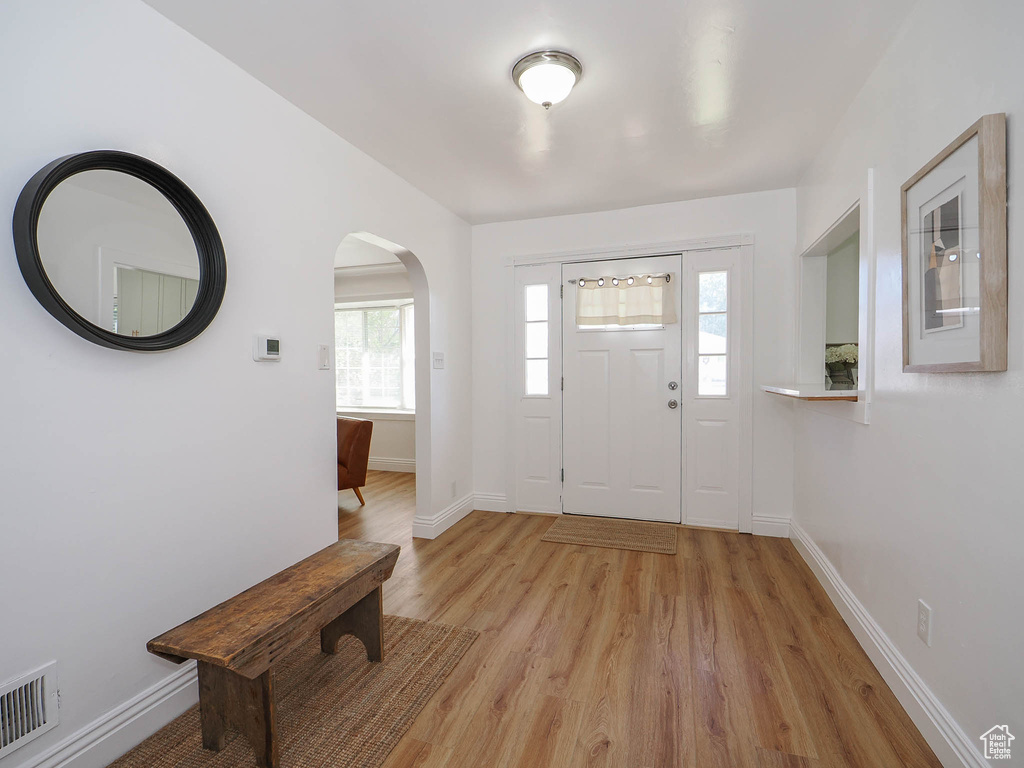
x=212, y=264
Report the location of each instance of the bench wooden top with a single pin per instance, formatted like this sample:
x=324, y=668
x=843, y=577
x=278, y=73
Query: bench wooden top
x=244, y=622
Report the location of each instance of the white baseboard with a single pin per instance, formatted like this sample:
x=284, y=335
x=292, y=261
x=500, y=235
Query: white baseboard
x=434, y=526
x=490, y=502
x=946, y=738
x=699, y=522
x=391, y=465
x=111, y=735
x=763, y=525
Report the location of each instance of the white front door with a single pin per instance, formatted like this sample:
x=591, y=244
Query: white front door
x=622, y=451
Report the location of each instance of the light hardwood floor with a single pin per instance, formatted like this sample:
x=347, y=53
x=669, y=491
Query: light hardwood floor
x=728, y=653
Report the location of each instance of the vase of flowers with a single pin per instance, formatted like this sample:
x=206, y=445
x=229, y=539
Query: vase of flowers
x=841, y=362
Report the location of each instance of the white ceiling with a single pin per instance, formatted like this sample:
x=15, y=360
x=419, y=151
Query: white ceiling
x=679, y=98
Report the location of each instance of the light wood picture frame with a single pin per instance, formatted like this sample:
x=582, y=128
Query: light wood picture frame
x=953, y=217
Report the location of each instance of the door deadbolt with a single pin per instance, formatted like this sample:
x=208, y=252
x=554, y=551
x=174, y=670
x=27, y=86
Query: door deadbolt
x=673, y=404
x=673, y=386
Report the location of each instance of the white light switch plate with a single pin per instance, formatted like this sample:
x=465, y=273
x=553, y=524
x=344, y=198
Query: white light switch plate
x=323, y=357
x=439, y=359
x=924, y=622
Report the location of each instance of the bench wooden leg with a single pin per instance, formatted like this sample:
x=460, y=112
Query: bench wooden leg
x=228, y=700
x=365, y=620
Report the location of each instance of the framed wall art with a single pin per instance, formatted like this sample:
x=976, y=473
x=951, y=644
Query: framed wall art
x=954, y=256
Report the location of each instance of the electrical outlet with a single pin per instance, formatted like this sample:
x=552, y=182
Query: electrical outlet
x=453, y=489
x=924, y=622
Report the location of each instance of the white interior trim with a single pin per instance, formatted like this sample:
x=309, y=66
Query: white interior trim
x=708, y=522
x=837, y=233
x=384, y=464
x=841, y=230
x=365, y=300
x=635, y=251
x=765, y=525
x=433, y=526
x=946, y=738
x=115, y=732
x=491, y=502
x=511, y=390
x=745, y=490
x=378, y=414
x=371, y=269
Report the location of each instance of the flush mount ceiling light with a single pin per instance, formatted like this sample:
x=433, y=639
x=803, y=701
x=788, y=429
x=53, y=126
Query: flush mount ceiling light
x=547, y=77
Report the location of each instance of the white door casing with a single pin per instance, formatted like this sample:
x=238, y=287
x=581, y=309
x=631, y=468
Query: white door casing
x=622, y=451
x=722, y=501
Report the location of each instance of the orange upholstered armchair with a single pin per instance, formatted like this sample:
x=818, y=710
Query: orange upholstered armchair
x=353, y=453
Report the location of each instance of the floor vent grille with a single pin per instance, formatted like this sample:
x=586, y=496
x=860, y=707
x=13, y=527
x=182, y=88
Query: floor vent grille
x=28, y=707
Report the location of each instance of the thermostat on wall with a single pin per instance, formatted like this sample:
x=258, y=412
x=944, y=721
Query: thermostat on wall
x=266, y=348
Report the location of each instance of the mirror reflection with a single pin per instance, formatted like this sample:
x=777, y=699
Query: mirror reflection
x=118, y=253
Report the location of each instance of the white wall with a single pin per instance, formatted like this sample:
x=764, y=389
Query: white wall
x=842, y=314
x=393, y=445
x=769, y=216
x=924, y=502
x=132, y=486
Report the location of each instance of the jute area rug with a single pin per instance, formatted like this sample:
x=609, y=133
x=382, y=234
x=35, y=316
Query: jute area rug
x=336, y=711
x=614, y=534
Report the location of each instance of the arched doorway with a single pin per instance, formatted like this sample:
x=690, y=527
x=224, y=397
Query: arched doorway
x=363, y=256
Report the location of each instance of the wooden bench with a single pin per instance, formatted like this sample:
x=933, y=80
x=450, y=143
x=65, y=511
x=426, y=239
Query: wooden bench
x=336, y=591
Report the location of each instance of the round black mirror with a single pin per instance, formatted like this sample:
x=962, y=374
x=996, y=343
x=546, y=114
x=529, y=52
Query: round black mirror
x=120, y=251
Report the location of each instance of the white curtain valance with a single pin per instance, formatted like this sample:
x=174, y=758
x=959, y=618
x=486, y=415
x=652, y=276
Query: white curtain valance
x=646, y=302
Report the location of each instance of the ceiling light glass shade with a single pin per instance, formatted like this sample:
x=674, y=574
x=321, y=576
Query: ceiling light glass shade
x=547, y=77
x=547, y=84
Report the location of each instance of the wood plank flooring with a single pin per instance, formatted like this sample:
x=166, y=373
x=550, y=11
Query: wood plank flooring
x=728, y=653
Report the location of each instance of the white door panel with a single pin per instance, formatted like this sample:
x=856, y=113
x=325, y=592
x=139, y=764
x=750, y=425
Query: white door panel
x=538, y=417
x=621, y=441
x=591, y=416
x=715, y=489
x=648, y=395
x=537, y=464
